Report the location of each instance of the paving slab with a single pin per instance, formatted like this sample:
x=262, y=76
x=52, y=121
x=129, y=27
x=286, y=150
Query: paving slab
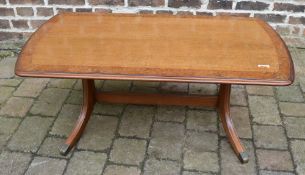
x=260, y=90
x=162, y=167
x=274, y=160
x=201, y=141
x=298, y=152
x=86, y=163
x=230, y=165
x=128, y=151
x=203, y=89
x=292, y=109
x=30, y=134
x=66, y=120
x=108, y=109
x=7, y=66
x=8, y=125
x=136, y=121
x=16, y=106
x=238, y=97
x=264, y=110
x=117, y=170
x=302, y=83
x=201, y=120
x=75, y=97
x=265, y=172
x=263, y=139
x=5, y=93
x=290, y=94
x=10, y=82
x=31, y=87
x=14, y=163
x=50, y=102
x=99, y=133
x=7, y=128
x=166, y=141
x=171, y=113
x=201, y=161
x=295, y=127
x=62, y=83
x=195, y=173
x=46, y=166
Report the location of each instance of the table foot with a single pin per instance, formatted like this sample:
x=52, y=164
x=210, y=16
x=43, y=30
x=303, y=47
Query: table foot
x=64, y=149
x=87, y=107
x=243, y=157
x=226, y=120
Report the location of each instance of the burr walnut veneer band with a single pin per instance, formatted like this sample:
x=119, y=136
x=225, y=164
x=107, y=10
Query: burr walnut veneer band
x=197, y=49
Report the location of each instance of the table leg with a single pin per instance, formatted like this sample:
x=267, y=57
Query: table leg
x=89, y=99
x=87, y=107
x=224, y=110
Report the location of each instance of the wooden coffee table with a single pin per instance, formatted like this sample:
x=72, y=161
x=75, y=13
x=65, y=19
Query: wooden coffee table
x=221, y=50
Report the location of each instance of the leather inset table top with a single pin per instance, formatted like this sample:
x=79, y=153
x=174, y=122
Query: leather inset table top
x=232, y=50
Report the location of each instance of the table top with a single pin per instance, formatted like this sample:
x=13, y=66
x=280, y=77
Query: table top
x=233, y=50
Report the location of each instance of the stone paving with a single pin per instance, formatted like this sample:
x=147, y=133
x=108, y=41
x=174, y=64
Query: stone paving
x=36, y=115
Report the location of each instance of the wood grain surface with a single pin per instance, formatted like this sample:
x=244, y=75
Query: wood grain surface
x=231, y=50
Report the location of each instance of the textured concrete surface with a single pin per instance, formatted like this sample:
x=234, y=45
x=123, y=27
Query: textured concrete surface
x=37, y=115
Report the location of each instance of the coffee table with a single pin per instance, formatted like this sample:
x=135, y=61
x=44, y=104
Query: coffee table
x=193, y=49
